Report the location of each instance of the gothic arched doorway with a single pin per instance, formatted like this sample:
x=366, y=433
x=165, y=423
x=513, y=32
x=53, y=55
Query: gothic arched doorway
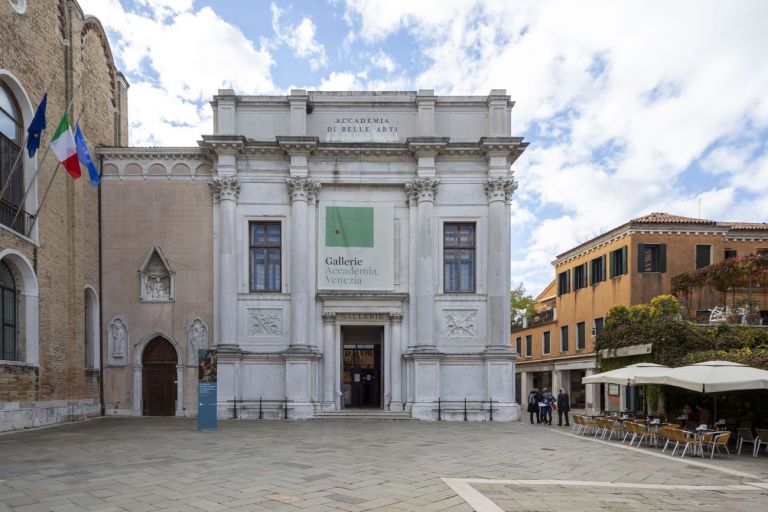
x=159, y=378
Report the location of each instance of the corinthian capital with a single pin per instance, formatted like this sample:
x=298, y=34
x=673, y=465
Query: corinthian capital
x=421, y=189
x=225, y=187
x=302, y=189
x=500, y=189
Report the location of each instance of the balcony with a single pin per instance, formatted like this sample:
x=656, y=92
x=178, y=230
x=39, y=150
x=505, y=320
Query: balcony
x=540, y=317
x=8, y=211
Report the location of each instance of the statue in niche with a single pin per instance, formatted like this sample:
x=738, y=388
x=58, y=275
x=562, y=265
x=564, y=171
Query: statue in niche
x=157, y=288
x=118, y=339
x=197, y=335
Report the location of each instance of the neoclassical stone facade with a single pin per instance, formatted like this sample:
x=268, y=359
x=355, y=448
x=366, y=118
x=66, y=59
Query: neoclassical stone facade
x=344, y=249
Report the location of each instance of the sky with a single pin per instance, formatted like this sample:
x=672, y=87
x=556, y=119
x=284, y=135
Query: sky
x=630, y=107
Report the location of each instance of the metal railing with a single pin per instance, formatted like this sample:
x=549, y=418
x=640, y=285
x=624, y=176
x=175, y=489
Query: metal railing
x=7, y=214
x=261, y=401
x=466, y=406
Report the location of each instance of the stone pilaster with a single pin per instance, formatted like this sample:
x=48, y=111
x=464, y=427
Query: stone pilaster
x=396, y=361
x=330, y=382
x=226, y=190
x=423, y=191
x=301, y=190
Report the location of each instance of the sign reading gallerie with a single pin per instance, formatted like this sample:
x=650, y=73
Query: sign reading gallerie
x=356, y=247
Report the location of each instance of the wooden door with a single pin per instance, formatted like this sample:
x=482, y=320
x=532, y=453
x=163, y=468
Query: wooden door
x=159, y=378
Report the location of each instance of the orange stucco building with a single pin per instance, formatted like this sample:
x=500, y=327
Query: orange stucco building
x=630, y=264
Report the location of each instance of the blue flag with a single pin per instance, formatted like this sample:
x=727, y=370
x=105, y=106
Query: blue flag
x=85, y=157
x=36, y=127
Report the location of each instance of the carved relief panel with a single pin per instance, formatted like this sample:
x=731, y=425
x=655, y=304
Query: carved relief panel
x=157, y=278
x=197, y=339
x=117, y=341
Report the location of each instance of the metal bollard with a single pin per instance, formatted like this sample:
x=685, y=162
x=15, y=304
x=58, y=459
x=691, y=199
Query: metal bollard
x=261, y=415
x=465, y=408
x=439, y=412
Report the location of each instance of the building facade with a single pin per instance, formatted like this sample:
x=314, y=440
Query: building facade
x=628, y=265
x=49, y=252
x=338, y=249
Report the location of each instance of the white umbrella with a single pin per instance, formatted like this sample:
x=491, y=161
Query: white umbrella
x=628, y=375
x=711, y=377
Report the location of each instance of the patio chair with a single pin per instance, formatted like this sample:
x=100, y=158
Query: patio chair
x=641, y=433
x=629, y=431
x=762, y=439
x=715, y=440
x=745, y=436
x=684, y=438
x=612, y=426
x=665, y=433
x=589, y=423
x=576, y=426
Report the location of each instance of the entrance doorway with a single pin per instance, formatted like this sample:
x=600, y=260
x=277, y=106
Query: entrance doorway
x=362, y=383
x=158, y=386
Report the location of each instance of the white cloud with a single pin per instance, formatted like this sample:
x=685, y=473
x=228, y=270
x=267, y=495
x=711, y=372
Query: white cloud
x=623, y=96
x=176, y=63
x=300, y=38
x=383, y=61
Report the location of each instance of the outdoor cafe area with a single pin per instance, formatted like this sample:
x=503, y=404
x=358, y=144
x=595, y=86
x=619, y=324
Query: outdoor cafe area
x=727, y=430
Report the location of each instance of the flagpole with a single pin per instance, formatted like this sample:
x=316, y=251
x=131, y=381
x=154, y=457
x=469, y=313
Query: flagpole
x=37, y=171
x=48, y=187
x=24, y=142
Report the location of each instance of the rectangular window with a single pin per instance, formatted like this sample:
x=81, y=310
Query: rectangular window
x=597, y=270
x=14, y=187
x=564, y=338
x=703, y=256
x=598, y=326
x=651, y=257
x=619, y=262
x=563, y=282
x=519, y=345
x=265, y=256
x=581, y=339
x=730, y=253
x=529, y=345
x=459, y=257
x=545, y=343
x=580, y=277
x=762, y=252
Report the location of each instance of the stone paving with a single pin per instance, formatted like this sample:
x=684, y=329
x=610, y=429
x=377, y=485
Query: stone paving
x=147, y=464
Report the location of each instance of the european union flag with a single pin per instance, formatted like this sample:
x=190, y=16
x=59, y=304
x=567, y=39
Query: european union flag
x=36, y=127
x=85, y=156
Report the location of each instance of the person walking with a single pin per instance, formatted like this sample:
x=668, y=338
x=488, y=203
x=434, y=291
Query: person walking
x=563, y=407
x=546, y=406
x=533, y=405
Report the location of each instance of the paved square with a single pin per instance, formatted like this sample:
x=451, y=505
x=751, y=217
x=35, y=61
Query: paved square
x=145, y=464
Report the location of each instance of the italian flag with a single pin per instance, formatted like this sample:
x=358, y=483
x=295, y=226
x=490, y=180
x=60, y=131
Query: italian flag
x=63, y=145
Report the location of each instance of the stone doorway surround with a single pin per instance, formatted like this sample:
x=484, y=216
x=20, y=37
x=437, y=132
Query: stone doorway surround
x=375, y=309
x=138, y=376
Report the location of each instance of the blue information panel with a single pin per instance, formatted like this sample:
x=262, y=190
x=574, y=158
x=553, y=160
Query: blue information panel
x=206, y=389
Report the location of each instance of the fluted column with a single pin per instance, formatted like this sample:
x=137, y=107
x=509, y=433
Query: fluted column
x=301, y=190
x=396, y=362
x=330, y=384
x=226, y=189
x=499, y=191
x=424, y=190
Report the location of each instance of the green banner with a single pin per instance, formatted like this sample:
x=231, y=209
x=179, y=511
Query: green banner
x=349, y=226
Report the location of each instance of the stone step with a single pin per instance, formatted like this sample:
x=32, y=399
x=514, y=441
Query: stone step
x=369, y=414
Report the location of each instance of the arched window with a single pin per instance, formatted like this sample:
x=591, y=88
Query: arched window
x=11, y=161
x=8, y=309
x=88, y=331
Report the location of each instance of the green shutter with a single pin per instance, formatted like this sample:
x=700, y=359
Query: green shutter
x=624, y=265
x=640, y=257
x=602, y=267
x=662, y=257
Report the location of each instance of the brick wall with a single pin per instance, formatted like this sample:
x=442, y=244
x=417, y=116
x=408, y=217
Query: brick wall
x=54, y=38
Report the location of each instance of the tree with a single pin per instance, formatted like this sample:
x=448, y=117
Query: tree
x=522, y=304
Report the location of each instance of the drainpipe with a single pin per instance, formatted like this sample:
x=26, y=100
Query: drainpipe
x=101, y=297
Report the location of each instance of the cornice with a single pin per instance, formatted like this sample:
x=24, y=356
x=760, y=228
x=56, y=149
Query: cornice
x=293, y=143
x=151, y=153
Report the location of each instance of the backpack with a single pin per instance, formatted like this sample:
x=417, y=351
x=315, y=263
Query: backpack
x=532, y=399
